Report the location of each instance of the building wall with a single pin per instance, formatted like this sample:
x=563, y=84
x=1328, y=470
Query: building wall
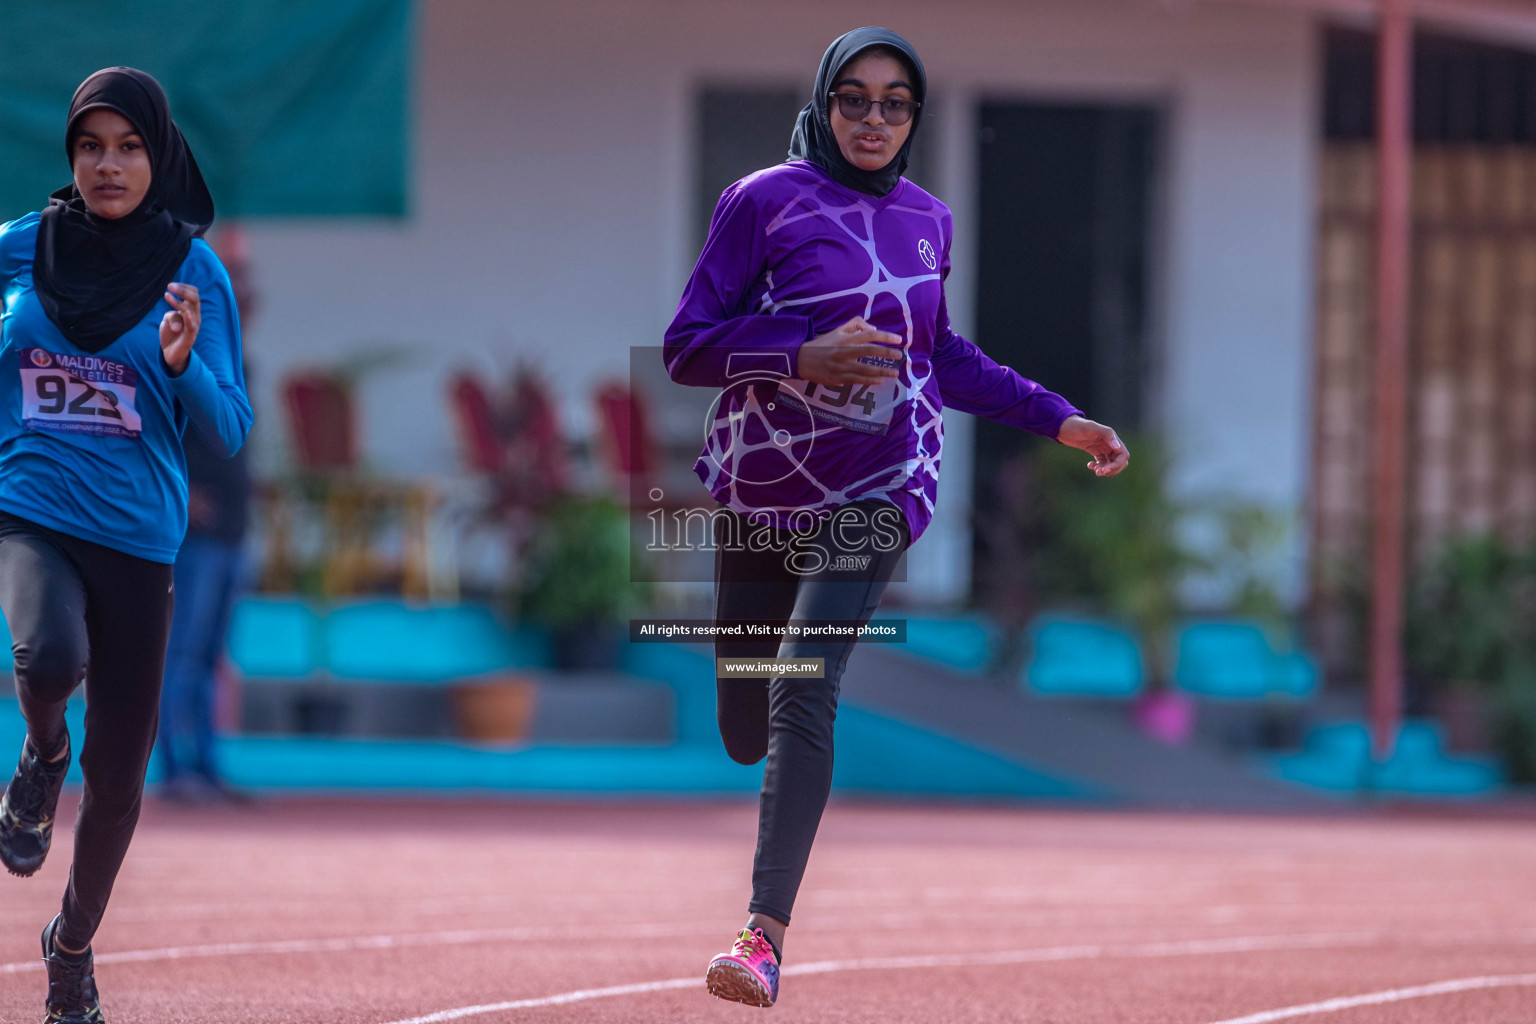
x=552, y=191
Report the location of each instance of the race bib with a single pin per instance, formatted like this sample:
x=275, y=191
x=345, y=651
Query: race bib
x=78, y=394
x=867, y=408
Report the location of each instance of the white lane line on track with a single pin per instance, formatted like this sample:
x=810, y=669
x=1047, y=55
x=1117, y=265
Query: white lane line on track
x=579, y=996
x=458, y=937
x=1394, y=995
x=530, y=933
x=1198, y=947
x=349, y=945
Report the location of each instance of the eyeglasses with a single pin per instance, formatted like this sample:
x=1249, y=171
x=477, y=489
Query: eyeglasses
x=855, y=107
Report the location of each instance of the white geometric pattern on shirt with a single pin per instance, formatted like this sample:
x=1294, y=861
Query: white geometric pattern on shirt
x=727, y=443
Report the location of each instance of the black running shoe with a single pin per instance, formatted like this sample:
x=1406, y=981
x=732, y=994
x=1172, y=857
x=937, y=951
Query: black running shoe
x=72, y=995
x=27, y=809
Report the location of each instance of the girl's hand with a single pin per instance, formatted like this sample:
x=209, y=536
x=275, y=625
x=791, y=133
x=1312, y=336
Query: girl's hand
x=835, y=358
x=1109, y=453
x=178, y=328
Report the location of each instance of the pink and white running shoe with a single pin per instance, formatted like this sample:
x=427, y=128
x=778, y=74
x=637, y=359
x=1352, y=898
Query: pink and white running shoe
x=749, y=973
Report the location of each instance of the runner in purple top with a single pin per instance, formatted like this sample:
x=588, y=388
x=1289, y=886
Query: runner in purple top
x=818, y=308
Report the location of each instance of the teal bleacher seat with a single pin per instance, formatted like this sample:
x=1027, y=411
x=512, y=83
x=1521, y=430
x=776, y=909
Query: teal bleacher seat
x=275, y=637
x=964, y=643
x=379, y=641
x=1082, y=657
x=1337, y=759
x=1232, y=659
x=1296, y=674
x=386, y=640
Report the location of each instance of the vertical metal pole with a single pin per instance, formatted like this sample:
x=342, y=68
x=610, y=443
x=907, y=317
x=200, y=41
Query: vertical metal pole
x=1389, y=441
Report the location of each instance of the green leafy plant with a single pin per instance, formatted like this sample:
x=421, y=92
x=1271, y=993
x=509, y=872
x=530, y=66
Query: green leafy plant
x=1514, y=724
x=1471, y=613
x=1248, y=536
x=1115, y=545
x=1471, y=637
x=577, y=573
x=1121, y=547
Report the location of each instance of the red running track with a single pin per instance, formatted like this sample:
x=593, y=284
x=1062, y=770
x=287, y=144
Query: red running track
x=381, y=912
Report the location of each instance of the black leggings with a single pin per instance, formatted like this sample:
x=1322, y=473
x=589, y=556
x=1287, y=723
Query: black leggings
x=790, y=719
x=80, y=610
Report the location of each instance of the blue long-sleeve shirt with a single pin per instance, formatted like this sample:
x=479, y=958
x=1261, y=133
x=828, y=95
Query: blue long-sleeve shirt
x=90, y=443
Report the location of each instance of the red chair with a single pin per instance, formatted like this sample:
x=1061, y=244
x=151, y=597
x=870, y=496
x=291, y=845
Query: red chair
x=320, y=414
x=628, y=446
x=322, y=422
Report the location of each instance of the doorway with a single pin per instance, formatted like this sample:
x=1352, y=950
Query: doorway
x=1065, y=203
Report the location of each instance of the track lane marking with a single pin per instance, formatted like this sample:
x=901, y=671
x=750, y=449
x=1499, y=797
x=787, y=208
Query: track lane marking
x=1394, y=995
x=579, y=996
x=350, y=945
x=456, y=937
x=1326, y=940
x=1195, y=947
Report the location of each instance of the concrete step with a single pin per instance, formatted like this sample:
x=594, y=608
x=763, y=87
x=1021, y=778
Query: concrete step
x=1093, y=743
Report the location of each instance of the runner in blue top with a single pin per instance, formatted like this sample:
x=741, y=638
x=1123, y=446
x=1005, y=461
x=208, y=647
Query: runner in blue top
x=118, y=330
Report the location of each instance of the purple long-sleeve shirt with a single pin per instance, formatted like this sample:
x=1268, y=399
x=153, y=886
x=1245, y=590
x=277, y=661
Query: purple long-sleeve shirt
x=791, y=255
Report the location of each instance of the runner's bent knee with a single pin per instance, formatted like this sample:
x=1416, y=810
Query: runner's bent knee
x=49, y=668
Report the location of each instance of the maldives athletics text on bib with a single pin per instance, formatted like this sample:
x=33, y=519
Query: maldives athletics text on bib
x=78, y=394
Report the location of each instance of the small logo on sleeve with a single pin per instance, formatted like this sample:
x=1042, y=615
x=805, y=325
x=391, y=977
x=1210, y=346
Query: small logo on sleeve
x=925, y=250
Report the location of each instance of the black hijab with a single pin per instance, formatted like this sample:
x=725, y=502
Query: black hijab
x=813, y=139
x=98, y=277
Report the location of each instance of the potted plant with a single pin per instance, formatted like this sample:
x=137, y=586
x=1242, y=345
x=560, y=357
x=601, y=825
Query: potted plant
x=1115, y=546
x=1119, y=547
x=498, y=708
x=1513, y=723
x=576, y=581
x=1471, y=619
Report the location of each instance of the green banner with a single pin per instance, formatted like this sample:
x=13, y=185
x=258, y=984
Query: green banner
x=292, y=107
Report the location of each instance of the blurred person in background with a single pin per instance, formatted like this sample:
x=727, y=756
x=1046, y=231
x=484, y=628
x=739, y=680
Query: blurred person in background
x=818, y=305
x=210, y=571
x=105, y=293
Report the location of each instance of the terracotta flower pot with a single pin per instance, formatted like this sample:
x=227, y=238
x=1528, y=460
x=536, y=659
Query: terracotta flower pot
x=498, y=709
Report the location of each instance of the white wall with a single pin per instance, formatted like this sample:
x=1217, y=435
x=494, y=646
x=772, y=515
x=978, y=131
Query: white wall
x=554, y=179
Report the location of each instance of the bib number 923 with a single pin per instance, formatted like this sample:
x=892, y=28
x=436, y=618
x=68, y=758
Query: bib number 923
x=78, y=395
x=53, y=395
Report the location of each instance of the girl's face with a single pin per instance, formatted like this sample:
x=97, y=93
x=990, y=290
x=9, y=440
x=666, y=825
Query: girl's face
x=871, y=141
x=111, y=164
